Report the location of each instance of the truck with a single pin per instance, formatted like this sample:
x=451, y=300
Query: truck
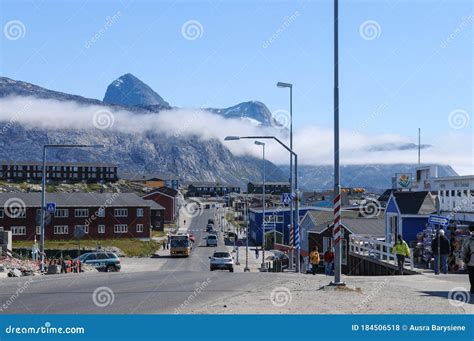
x=180, y=245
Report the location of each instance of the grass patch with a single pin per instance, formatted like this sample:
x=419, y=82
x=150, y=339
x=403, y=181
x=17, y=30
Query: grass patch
x=157, y=234
x=130, y=246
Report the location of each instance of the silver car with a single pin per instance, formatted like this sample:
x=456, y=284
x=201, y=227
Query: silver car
x=222, y=260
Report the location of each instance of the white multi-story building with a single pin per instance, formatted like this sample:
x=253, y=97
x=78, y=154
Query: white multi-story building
x=455, y=194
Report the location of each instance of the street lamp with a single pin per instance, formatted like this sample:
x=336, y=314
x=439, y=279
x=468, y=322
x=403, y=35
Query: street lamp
x=43, y=187
x=290, y=86
x=264, y=236
x=247, y=269
x=297, y=227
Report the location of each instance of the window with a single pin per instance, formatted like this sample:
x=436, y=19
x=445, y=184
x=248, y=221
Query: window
x=101, y=212
x=61, y=229
x=120, y=228
x=38, y=230
x=101, y=229
x=85, y=228
x=139, y=227
x=139, y=212
x=81, y=213
x=120, y=212
x=61, y=213
x=18, y=230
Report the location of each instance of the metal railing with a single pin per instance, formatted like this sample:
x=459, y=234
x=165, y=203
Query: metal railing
x=377, y=249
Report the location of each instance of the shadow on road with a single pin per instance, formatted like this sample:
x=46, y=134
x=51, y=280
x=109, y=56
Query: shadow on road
x=461, y=296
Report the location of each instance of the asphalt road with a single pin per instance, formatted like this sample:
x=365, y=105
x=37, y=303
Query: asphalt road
x=181, y=284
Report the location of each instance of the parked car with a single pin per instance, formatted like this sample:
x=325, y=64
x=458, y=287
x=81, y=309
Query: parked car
x=102, y=261
x=209, y=227
x=211, y=240
x=280, y=256
x=210, y=221
x=222, y=260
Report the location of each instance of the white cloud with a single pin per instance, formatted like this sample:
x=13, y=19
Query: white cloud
x=313, y=144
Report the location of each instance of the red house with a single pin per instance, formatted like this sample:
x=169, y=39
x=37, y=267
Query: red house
x=168, y=198
x=100, y=215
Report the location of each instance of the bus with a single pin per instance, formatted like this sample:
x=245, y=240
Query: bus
x=180, y=245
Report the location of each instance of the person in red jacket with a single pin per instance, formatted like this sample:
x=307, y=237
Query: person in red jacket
x=328, y=262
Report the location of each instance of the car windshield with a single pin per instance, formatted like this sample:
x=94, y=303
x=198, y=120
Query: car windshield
x=221, y=255
x=179, y=243
x=211, y=236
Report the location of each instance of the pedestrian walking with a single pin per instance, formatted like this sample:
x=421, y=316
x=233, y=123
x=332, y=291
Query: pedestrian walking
x=401, y=250
x=164, y=244
x=328, y=262
x=441, y=248
x=314, y=259
x=468, y=256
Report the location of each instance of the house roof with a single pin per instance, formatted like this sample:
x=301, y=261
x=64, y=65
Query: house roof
x=154, y=205
x=415, y=202
x=365, y=226
x=321, y=219
x=270, y=183
x=385, y=195
x=76, y=199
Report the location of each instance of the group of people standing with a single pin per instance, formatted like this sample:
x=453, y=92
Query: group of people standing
x=328, y=259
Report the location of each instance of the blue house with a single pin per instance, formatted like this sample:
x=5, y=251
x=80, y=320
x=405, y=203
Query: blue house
x=407, y=214
x=277, y=222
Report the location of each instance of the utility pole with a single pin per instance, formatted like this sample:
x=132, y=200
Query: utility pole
x=247, y=269
x=337, y=178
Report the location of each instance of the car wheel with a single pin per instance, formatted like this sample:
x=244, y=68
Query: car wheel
x=110, y=268
x=212, y=269
x=231, y=270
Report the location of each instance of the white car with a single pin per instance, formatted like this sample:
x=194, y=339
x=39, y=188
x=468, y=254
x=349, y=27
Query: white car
x=222, y=260
x=211, y=240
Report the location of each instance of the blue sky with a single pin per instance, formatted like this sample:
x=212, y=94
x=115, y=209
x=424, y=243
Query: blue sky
x=416, y=71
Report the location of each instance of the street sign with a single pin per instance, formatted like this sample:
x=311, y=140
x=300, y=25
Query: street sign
x=79, y=232
x=47, y=218
x=438, y=220
x=286, y=198
x=51, y=207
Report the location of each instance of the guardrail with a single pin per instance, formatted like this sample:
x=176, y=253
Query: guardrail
x=377, y=249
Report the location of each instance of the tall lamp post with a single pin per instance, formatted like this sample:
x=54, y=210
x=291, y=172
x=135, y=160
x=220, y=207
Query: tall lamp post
x=247, y=269
x=337, y=233
x=290, y=86
x=43, y=188
x=264, y=236
x=297, y=225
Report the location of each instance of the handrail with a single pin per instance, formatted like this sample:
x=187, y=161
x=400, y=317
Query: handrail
x=371, y=247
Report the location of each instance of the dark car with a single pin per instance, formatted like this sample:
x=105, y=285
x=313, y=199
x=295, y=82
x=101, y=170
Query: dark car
x=102, y=261
x=281, y=257
x=210, y=221
x=209, y=227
